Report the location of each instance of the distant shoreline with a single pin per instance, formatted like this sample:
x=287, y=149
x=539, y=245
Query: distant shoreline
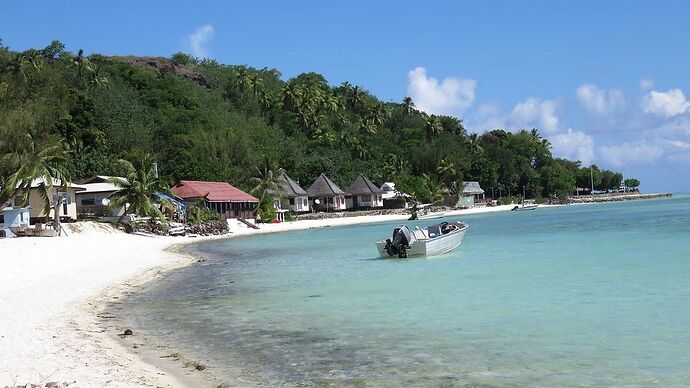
x=617, y=197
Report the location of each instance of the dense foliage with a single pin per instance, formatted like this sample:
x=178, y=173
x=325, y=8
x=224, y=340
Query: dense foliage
x=206, y=121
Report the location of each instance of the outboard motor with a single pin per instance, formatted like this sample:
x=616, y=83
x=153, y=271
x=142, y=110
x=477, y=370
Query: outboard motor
x=400, y=243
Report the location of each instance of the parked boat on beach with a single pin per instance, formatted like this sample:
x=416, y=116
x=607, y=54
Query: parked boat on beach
x=432, y=240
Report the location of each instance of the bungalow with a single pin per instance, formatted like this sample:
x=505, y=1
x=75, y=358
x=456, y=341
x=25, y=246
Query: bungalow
x=93, y=201
x=36, y=203
x=472, y=194
x=326, y=195
x=222, y=197
x=292, y=196
x=362, y=193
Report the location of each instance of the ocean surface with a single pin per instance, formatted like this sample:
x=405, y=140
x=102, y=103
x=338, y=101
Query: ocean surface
x=581, y=295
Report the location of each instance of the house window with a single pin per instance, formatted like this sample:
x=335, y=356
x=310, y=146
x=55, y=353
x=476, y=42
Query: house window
x=305, y=202
x=88, y=201
x=292, y=201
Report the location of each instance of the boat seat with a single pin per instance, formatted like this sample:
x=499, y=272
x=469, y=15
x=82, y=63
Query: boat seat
x=419, y=234
x=434, y=231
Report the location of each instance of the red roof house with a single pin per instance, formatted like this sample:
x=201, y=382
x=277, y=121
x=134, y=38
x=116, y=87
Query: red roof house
x=226, y=199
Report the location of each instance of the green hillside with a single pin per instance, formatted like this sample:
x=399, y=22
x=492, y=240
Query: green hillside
x=204, y=120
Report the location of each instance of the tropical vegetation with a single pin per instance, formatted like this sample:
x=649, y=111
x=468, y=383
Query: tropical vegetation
x=74, y=115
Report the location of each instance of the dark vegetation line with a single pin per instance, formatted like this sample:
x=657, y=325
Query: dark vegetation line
x=203, y=120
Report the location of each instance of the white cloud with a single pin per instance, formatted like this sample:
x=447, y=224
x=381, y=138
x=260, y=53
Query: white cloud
x=489, y=116
x=573, y=145
x=599, y=101
x=630, y=153
x=534, y=112
x=665, y=104
x=646, y=84
x=199, y=40
x=452, y=96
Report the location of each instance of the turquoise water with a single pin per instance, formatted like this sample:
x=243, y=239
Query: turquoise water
x=594, y=295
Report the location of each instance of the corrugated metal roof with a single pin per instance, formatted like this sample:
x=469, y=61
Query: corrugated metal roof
x=213, y=191
x=99, y=187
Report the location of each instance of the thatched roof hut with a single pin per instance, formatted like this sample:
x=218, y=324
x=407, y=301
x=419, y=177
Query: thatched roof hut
x=324, y=187
x=289, y=188
x=363, y=186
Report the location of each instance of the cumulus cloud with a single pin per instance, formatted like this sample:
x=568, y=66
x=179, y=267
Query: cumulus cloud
x=573, y=145
x=600, y=101
x=451, y=96
x=199, y=39
x=630, y=153
x=534, y=112
x=665, y=104
x=646, y=84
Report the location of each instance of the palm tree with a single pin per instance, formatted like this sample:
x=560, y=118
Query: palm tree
x=266, y=183
x=432, y=126
x=378, y=114
x=81, y=63
x=446, y=169
x=96, y=78
x=139, y=188
x=291, y=97
x=256, y=83
x=37, y=160
x=408, y=105
x=367, y=127
x=356, y=97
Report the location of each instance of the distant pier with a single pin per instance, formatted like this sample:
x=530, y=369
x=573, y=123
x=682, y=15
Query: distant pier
x=613, y=197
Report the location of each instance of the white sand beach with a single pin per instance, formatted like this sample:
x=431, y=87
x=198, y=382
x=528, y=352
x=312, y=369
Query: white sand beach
x=51, y=290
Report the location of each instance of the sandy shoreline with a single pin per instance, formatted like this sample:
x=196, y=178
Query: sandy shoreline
x=53, y=292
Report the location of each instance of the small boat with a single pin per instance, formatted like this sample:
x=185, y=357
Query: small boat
x=524, y=206
x=527, y=204
x=431, y=216
x=432, y=240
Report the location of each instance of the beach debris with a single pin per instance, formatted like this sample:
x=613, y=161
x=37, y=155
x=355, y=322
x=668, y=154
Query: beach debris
x=52, y=384
x=128, y=332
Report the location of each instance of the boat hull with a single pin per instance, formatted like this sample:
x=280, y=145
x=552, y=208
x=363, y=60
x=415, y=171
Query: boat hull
x=525, y=208
x=428, y=247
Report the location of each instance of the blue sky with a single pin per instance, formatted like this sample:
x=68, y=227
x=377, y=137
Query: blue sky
x=606, y=81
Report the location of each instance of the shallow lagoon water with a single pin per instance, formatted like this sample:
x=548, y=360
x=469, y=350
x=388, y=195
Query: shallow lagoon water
x=572, y=296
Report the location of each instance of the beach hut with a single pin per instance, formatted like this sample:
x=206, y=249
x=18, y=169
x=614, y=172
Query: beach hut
x=472, y=194
x=291, y=195
x=66, y=194
x=222, y=197
x=92, y=202
x=362, y=193
x=326, y=195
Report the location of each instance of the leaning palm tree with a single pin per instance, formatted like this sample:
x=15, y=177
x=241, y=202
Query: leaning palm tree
x=266, y=181
x=37, y=160
x=139, y=189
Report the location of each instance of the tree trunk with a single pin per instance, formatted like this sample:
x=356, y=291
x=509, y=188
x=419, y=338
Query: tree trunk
x=56, y=216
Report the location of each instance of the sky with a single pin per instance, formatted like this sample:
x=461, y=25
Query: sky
x=605, y=81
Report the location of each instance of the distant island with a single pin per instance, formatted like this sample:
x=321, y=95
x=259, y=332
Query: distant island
x=202, y=120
